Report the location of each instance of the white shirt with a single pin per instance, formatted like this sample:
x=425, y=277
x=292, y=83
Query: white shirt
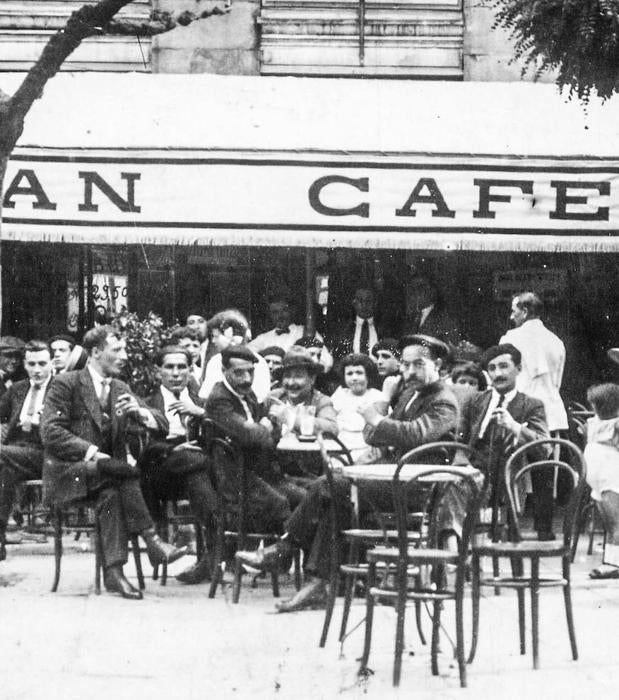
x=97, y=379
x=214, y=373
x=372, y=336
x=38, y=404
x=287, y=340
x=492, y=406
x=425, y=312
x=543, y=361
x=176, y=426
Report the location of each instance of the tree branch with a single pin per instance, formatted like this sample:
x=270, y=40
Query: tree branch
x=160, y=22
x=85, y=22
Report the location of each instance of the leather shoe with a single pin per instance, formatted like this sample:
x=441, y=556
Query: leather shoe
x=115, y=582
x=160, y=552
x=198, y=573
x=310, y=597
x=276, y=556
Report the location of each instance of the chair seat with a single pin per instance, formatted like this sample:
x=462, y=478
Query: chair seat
x=522, y=581
x=413, y=593
x=526, y=548
x=418, y=556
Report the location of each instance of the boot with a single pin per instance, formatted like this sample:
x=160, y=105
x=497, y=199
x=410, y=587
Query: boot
x=115, y=582
x=278, y=555
x=199, y=572
x=160, y=552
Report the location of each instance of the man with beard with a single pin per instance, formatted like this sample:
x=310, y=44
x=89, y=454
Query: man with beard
x=424, y=411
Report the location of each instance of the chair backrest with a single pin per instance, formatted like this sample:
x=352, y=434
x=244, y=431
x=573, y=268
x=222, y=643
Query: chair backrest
x=343, y=454
x=538, y=456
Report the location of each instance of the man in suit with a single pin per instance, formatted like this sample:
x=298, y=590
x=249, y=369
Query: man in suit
x=21, y=453
x=498, y=421
x=363, y=332
x=233, y=407
x=425, y=411
x=84, y=428
x=61, y=346
x=199, y=324
x=285, y=334
x=189, y=339
x=543, y=357
x=171, y=466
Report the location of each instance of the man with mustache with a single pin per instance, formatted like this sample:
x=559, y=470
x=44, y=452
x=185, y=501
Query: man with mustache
x=424, y=411
x=497, y=421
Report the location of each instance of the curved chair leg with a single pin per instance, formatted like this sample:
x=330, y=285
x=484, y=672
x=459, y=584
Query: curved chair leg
x=567, y=597
x=238, y=574
x=135, y=547
x=99, y=563
x=334, y=582
x=275, y=582
x=475, y=594
x=402, y=579
x=459, y=592
x=217, y=571
x=418, y=617
x=535, y=610
x=436, y=628
x=521, y=621
x=349, y=591
x=369, y=617
x=57, y=517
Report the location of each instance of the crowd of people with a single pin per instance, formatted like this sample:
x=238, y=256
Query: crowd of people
x=68, y=418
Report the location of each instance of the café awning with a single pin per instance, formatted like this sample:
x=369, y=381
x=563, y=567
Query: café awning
x=236, y=160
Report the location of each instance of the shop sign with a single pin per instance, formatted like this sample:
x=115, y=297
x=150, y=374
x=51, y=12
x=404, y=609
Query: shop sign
x=190, y=195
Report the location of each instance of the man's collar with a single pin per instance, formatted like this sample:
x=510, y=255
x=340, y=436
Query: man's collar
x=282, y=331
x=359, y=321
x=96, y=376
x=169, y=395
x=231, y=390
x=509, y=396
x=43, y=385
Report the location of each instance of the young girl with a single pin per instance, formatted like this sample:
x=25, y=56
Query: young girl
x=602, y=458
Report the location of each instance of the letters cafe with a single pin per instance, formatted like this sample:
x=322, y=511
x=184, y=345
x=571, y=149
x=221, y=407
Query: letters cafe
x=190, y=193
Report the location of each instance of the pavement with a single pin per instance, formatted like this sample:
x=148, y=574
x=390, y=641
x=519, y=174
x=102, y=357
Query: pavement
x=176, y=643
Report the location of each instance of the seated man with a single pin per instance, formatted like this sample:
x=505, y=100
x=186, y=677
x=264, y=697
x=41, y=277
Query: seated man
x=386, y=355
x=284, y=333
x=21, y=453
x=171, y=468
x=84, y=425
x=424, y=412
x=497, y=421
x=229, y=328
x=61, y=347
x=233, y=407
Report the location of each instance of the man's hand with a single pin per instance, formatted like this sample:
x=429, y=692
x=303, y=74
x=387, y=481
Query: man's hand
x=277, y=411
x=504, y=418
x=187, y=446
x=127, y=404
x=391, y=386
x=371, y=414
x=186, y=407
x=265, y=422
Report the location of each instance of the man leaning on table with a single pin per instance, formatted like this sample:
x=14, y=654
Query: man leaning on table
x=424, y=411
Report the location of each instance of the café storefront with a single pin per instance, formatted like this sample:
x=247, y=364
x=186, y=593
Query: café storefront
x=183, y=193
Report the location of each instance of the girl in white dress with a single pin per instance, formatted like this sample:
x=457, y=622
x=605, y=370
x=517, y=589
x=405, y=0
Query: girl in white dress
x=602, y=458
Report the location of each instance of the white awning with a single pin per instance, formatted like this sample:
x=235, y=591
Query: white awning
x=214, y=160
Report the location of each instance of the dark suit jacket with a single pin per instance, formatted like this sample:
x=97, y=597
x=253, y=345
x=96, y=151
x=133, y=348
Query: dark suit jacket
x=70, y=424
x=341, y=343
x=439, y=324
x=11, y=404
x=524, y=409
x=432, y=416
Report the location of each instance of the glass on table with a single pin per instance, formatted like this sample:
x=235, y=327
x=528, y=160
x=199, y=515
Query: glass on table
x=307, y=419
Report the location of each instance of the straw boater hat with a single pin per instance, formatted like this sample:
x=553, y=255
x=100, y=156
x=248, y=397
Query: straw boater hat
x=613, y=353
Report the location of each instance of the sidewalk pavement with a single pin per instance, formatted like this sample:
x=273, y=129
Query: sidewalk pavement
x=177, y=643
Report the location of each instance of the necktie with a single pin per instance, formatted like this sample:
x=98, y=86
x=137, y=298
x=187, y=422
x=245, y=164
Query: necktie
x=364, y=338
x=282, y=331
x=34, y=393
x=104, y=396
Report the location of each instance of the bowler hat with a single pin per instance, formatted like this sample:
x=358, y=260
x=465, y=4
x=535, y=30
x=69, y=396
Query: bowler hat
x=299, y=358
x=241, y=352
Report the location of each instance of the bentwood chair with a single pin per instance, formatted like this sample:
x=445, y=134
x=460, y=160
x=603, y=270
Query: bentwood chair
x=223, y=450
x=436, y=587
x=528, y=458
x=357, y=538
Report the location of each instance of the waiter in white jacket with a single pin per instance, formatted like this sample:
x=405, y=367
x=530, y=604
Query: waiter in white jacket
x=543, y=358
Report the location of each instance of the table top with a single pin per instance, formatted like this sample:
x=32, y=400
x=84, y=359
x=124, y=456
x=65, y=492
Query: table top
x=385, y=472
x=291, y=443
